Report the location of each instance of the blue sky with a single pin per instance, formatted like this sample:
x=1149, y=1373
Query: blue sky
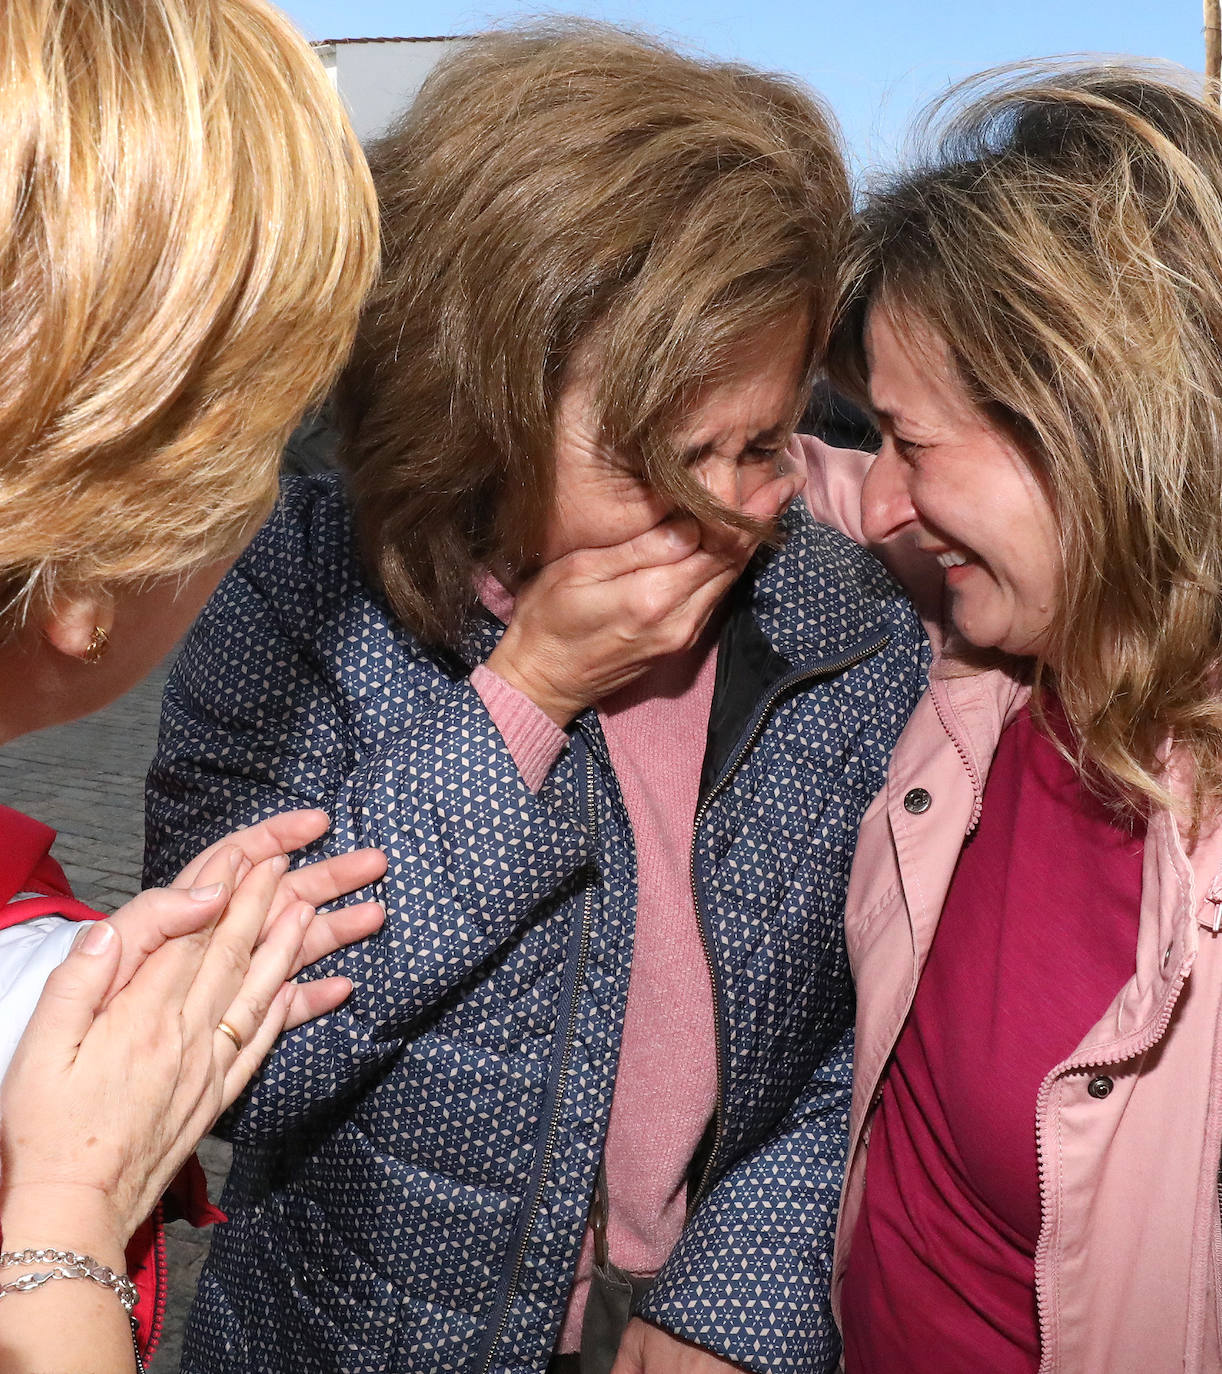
x=877, y=61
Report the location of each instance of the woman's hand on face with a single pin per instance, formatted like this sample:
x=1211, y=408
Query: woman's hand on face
x=316, y=884
x=122, y=1069
x=595, y=620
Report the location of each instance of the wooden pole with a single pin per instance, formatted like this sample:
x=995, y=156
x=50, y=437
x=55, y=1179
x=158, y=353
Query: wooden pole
x=1213, y=49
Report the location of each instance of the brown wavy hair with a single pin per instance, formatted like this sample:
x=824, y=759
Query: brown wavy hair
x=1065, y=241
x=187, y=230
x=554, y=189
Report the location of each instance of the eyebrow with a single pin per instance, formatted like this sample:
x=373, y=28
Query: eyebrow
x=777, y=431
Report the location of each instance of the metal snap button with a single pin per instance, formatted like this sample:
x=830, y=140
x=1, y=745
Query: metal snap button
x=917, y=800
x=1100, y=1087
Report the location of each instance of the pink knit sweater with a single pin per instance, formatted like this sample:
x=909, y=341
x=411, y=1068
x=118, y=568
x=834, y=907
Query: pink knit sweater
x=666, y=1087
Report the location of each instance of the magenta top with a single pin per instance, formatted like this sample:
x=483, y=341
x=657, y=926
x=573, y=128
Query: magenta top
x=1038, y=931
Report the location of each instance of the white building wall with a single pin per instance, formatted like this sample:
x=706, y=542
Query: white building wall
x=379, y=79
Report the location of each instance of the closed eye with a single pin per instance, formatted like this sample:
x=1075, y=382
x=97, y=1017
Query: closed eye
x=763, y=453
x=751, y=453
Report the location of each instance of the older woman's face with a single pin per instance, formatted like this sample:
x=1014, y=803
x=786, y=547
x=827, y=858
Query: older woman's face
x=966, y=493
x=736, y=434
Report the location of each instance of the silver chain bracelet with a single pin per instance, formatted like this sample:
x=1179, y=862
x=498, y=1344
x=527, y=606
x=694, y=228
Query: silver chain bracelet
x=67, y=1265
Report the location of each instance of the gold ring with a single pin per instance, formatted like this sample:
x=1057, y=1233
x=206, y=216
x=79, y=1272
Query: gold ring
x=226, y=1029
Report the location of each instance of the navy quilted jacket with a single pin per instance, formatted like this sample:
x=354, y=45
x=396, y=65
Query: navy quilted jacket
x=412, y=1173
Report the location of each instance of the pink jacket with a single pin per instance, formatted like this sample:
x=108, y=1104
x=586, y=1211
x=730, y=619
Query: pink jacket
x=1129, y=1128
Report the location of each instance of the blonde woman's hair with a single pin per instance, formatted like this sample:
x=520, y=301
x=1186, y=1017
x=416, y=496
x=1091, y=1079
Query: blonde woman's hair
x=1065, y=241
x=187, y=229
x=560, y=193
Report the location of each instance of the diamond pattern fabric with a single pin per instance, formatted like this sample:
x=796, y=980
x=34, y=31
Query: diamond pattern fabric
x=412, y=1173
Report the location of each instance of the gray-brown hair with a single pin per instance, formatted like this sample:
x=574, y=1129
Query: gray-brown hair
x=1065, y=241
x=571, y=187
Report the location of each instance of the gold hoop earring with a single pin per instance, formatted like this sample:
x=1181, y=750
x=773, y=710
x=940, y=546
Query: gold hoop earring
x=99, y=642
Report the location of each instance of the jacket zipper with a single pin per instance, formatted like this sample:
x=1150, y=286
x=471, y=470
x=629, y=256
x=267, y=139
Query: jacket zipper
x=969, y=766
x=1083, y=1066
x=163, y=1280
x=786, y=684
x=565, y=1061
x=1215, y=1110
x=1216, y=1297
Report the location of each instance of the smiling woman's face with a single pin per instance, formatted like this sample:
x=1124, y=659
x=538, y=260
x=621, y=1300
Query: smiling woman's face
x=963, y=489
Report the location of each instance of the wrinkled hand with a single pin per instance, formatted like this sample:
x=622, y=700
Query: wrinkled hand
x=595, y=620
x=122, y=1068
x=646, y=1349
x=316, y=884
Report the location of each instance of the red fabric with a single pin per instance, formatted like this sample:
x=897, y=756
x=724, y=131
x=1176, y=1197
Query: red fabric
x=26, y=866
x=1038, y=931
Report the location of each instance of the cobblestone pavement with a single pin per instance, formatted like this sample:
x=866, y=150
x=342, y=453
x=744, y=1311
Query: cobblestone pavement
x=86, y=779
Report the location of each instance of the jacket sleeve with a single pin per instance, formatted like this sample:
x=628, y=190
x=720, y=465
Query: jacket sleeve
x=255, y=722
x=750, y=1278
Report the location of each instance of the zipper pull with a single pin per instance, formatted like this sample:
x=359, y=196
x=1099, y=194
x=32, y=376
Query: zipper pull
x=1214, y=895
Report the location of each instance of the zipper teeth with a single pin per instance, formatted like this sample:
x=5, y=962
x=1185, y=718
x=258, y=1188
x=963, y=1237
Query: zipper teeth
x=566, y=1059
x=1218, y=1214
x=1082, y=1065
x=968, y=764
x=1042, y=1245
x=1213, y=1146
x=837, y=665
x=162, y=1270
x=141, y=1368
x=718, y=1032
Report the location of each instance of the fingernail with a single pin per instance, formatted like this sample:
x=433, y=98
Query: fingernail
x=206, y=894
x=280, y=864
x=306, y=915
x=94, y=938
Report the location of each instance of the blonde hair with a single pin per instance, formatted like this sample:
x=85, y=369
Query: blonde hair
x=555, y=192
x=187, y=228
x=1065, y=241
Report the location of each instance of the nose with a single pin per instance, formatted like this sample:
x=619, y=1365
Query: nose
x=886, y=506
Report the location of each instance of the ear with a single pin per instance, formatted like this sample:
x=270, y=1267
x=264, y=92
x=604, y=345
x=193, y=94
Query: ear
x=71, y=623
